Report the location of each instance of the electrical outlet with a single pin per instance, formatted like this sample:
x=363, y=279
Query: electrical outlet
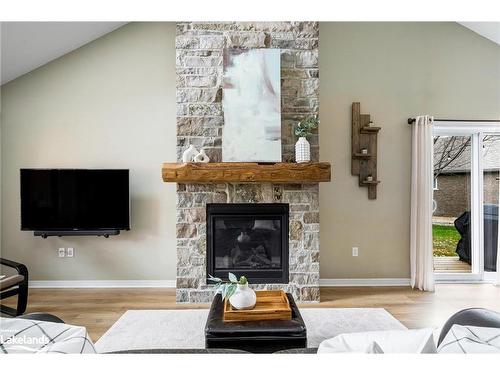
x=61, y=252
x=355, y=251
x=70, y=252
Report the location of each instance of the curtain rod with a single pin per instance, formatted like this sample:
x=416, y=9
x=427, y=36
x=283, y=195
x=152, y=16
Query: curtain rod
x=411, y=120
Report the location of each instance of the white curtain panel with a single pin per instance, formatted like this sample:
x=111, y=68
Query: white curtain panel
x=497, y=280
x=421, y=259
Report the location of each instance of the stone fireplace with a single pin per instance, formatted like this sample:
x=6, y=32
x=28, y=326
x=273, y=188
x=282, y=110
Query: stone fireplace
x=199, y=53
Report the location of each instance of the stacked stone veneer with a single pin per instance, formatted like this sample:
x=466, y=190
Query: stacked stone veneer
x=200, y=121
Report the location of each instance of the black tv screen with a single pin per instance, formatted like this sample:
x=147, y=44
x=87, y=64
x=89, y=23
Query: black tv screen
x=74, y=199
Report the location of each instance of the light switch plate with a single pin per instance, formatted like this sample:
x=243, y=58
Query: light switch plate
x=355, y=251
x=61, y=252
x=70, y=252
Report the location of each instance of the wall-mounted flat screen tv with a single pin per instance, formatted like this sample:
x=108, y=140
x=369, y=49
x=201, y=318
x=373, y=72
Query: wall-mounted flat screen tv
x=75, y=200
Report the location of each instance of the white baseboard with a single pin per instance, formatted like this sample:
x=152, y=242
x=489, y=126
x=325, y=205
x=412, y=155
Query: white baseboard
x=102, y=284
x=365, y=282
x=171, y=283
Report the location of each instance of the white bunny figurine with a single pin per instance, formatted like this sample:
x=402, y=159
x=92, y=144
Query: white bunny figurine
x=202, y=157
x=189, y=154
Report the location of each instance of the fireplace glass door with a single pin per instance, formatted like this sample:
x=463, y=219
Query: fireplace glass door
x=248, y=239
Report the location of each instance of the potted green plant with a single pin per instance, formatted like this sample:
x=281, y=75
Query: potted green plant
x=240, y=295
x=303, y=129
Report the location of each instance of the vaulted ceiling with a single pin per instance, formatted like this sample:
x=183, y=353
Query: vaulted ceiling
x=490, y=30
x=29, y=45
x=26, y=46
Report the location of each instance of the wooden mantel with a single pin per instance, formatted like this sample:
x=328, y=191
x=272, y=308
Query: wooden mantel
x=246, y=172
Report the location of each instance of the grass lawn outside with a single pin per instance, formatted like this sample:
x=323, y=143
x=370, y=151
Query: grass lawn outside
x=444, y=240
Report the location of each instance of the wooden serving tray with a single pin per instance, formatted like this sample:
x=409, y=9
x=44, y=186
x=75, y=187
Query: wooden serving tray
x=271, y=305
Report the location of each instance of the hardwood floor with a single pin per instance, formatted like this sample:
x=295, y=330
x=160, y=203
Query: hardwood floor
x=98, y=309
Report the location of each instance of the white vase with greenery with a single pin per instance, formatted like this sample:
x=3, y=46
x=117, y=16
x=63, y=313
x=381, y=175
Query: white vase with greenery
x=302, y=151
x=240, y=295
x=303, y=129
x=244, y=298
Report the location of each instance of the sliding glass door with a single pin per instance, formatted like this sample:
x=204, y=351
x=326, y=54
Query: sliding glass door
x=465, y=199
x=491, y=184
x=452, y=204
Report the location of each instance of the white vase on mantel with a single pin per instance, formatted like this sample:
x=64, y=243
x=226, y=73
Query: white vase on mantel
x=302, y=151
x=244, y=298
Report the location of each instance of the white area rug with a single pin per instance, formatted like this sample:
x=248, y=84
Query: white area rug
x=166, y=329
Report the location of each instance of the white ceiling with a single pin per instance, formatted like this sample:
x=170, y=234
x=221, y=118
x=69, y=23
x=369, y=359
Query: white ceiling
x=26, y=46
x=490, y=30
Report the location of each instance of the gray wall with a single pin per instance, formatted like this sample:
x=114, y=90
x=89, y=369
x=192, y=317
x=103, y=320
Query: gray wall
x=396, y=71
x=109, y=104
x=112, y=104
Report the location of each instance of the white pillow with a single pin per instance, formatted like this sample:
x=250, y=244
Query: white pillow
x=469, y=339
x=34, y=336
x=398, y=341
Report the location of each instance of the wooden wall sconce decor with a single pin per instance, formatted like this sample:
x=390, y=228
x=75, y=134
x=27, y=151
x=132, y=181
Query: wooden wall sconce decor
x=364, y=150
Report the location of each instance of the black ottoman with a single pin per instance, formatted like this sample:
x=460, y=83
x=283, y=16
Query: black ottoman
x=263, y=336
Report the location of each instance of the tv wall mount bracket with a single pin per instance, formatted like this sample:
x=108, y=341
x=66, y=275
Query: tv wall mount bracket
x=64, y=233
